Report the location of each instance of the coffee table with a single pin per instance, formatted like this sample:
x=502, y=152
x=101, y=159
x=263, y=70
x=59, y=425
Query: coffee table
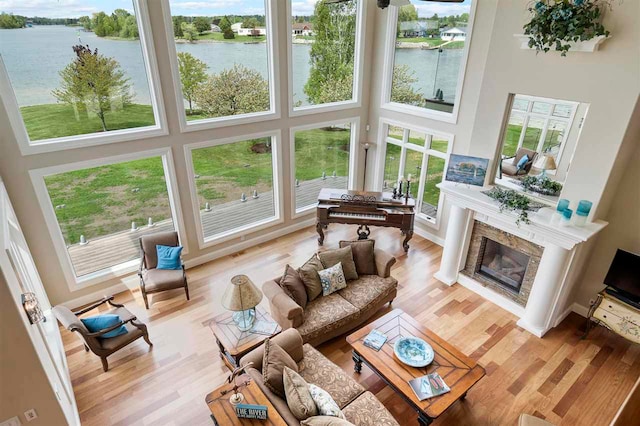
x=459, y=372
x=233, y=343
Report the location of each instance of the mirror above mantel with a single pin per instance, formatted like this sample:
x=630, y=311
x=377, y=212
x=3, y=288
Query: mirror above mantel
x=537, y=144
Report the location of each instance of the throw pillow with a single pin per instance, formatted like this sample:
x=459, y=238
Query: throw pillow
x=100, y=322
x=342, y=255
x=522, y=162
x=292, y=284
x=273, y=363
x=298, y=396
x=169, y=257
x=332, y=279
x=325, y=421
x=309, y=275
x=363, y=256
x=326, y=405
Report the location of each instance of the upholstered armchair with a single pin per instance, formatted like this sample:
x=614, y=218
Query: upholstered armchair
x=103, y=347
x=509, y=165
x=153, y=280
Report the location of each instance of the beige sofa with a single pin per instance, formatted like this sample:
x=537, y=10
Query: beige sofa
x=360, y=407
x=329, y=316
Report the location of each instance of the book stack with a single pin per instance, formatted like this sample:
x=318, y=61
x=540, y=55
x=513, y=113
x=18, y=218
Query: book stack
x=375, y=340
x=429, y=386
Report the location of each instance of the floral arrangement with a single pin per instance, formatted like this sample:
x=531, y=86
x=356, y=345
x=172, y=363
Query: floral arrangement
x=557, y=23
x=541, y=185
x=511, y=200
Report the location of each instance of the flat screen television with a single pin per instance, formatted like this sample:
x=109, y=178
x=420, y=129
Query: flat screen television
x=624, y=275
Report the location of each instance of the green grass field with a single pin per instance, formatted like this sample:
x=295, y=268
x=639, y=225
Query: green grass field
x=429, y=41
x=236, y=39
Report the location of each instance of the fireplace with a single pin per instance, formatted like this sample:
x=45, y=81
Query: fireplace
x=503, y=262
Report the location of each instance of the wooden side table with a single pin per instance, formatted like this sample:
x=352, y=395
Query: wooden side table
x=233, y=343
x=223, y=413
x=616, y=315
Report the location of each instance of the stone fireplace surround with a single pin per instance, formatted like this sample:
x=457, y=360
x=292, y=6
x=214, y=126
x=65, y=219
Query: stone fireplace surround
x=548, y=302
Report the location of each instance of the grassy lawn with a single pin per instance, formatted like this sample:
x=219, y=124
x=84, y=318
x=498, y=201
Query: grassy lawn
x=429, y=41
x=454, y=45
x=322, y=150
x=237, y=39
x=531, y=139
x=58, y=120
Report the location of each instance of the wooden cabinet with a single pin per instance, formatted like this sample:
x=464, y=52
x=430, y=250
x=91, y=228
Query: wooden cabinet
x=619, y=317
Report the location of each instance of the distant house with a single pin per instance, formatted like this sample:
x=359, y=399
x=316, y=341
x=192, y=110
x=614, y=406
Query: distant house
x=252, y=32
x=453, y=34
x=236, y=27
x=215, y=28
x=417, y=28
x=302, y=29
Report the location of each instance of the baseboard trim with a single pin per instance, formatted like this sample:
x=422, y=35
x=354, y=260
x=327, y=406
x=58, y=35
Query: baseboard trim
x=429, y=236
x=580, y=310
x=243, y=245
x=96, y=295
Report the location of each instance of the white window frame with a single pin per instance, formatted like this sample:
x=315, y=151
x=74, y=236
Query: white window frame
x=276, y=160
x=356, y=100
x=426, y=150
x=546, y=118
x=272, y=68
x=73, y=281
x=28, y=147
x=389, y=63
x=353, y=159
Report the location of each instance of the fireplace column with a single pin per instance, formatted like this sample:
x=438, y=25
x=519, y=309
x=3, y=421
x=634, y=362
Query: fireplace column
x=549, y=279
x=453, y=245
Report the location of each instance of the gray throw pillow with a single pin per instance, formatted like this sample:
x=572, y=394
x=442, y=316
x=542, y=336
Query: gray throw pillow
x=309, y=275
x=344, y=255
x=292, y=284
x=298, y=396
x=363, y=256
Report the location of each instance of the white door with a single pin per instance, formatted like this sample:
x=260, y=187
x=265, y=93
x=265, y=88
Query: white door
x=22, y=276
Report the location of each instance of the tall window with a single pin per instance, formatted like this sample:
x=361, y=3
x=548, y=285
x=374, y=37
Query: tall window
x=102, y=211
x=429, y=54
x=322, y=157
x=422, y=155
x=538, y=124
x=223, y=57
x=77, y=68
x=324, y=51
x=234, y=184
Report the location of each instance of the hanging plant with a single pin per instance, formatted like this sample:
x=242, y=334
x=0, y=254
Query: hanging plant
x=541, y=184
x=557, y=23
x=511, y=200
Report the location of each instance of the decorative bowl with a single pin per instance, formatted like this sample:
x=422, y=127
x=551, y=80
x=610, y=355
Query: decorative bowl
x=413, y=351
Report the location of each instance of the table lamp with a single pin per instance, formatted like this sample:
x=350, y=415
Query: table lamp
x=242, y=297
x=545, y=162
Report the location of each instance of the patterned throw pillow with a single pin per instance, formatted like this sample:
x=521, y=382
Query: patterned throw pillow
x=332, y=279
x=326, y=405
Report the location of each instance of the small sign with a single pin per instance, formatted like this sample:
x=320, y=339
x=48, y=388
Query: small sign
x=250, y=411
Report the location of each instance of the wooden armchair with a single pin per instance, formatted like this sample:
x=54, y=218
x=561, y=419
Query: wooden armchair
x=154, y=280
x=93, y=341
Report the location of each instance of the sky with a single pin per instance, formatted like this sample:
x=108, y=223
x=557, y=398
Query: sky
x=77, y=8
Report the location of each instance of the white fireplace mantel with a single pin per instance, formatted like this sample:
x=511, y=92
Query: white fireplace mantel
x=550, y=287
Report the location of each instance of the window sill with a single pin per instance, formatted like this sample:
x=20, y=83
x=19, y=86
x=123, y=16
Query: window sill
x=238, y=232
x=319, y=109
x=213, y=123
x=103, y=275
x=447, y=117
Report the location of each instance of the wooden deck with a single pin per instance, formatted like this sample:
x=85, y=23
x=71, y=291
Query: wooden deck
x=121, y=247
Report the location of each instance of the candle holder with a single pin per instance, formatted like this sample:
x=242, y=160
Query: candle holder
x=408, y=194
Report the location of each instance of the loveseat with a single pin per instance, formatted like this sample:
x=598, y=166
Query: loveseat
x=360, y=407
x=326, y=317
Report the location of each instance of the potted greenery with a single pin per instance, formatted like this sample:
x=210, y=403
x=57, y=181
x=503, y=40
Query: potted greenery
x=512, y=200
x=541, y=185
x=560, y=24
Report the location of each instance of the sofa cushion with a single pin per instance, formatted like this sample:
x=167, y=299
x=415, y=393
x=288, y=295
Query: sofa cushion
x=332, y=279
x=162, y=279
x=278, y=403
x=341, y=255
x=273, y=364
x=309, y=275
x=363, y=256
x=326, y=405
x=317, y=369
x=367, y=290
x=366, y=410
x=325, y=421
x=298, y=395
x=324, y=314
x=292, y=284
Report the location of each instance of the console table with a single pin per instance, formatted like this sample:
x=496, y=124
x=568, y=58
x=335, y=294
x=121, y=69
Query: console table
x=616, y=315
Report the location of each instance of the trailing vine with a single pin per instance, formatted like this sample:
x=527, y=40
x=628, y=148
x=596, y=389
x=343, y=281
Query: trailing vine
x=512, y=200
x=541, y=185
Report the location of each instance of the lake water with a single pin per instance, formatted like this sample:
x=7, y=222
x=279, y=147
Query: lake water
x=34, y=56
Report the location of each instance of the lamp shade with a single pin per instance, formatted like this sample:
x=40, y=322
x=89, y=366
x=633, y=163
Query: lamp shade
x=545, y=162
x=241, y=295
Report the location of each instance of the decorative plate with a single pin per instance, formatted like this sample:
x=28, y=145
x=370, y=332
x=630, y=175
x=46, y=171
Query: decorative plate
x=413, y=351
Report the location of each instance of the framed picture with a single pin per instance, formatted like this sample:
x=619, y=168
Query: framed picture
x=466, y=169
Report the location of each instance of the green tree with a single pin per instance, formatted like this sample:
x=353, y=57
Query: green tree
x=189, y=31
x=407, y=13
x=225, y=24
x=332, y=54
x=10, y=21
x=85, y=21
x=177, y=26
x=451, y=21
x=250, y=23
x=129, y=28
x=402, y=90
x=239, y=90
x=193, y=72
x=95, y=81
x=202, y=24
x=228, y=34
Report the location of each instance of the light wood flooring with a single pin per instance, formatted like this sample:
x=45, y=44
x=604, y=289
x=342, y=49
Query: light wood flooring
x=561, y=378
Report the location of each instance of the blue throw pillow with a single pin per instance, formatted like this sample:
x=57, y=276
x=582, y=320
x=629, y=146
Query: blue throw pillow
x=169, y=257
x=523, y=161
x=100, y=322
